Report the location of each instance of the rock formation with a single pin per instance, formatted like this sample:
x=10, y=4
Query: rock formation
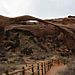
x=21, y=35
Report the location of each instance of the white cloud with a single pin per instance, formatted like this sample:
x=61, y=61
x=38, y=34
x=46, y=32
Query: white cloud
x=55, y=8
x=16, y=7
x=39, y=8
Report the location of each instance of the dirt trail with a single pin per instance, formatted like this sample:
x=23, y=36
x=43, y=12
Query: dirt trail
x=54, y=69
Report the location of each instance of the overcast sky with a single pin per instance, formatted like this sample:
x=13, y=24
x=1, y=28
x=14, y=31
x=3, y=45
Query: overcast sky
x=38, y=8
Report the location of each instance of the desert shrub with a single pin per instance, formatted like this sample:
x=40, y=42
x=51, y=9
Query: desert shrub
x=26, y=50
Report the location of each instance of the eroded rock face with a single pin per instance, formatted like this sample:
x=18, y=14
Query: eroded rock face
x=44, y=35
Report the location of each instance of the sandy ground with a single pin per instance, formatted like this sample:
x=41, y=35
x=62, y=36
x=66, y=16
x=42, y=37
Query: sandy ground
x=55, y=69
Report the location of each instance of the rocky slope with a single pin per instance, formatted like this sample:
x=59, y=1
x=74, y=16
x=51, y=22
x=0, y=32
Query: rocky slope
x=27, y=35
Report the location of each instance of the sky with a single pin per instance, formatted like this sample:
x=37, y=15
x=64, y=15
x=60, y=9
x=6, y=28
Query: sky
x=38, y=8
